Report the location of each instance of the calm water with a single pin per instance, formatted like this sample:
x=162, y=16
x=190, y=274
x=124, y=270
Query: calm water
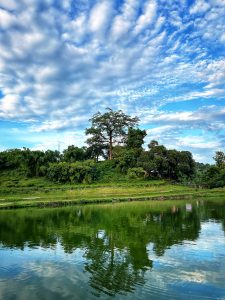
x=124, y=251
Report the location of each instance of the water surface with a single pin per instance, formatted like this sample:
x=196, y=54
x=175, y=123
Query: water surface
x=138, y=250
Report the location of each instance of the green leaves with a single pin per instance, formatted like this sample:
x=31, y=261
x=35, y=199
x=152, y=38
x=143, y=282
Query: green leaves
x=77, y=172
x=220, y=159
x=108, y=129
x=135, y=138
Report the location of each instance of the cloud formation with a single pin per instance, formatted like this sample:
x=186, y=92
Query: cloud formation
x=61, y=62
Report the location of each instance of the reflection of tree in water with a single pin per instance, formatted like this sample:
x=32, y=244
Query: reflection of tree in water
x=215, y=212
x=111, y=269
x=175, y=228
x=22, y=228
x=115, y=239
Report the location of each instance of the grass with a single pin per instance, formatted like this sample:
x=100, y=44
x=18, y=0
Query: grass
x=16, y=191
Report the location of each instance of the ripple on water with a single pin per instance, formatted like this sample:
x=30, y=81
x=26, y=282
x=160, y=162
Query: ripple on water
x=103, y=260
x=9, y=272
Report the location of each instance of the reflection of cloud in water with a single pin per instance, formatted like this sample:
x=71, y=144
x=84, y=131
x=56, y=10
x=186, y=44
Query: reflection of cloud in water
x=191, y=263
x=48, y=279
x=54, y=275
x=54, y=278
x=199, y=277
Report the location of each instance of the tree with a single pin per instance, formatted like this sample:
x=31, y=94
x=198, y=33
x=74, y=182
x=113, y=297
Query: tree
x=215, y=175
x=10, y=159
x=153, y=144
x=135, y=138
x=73, y=153
x=52, y=156
x=96, y=145
x=220, y=159
x=147, y=162
x=110, y=128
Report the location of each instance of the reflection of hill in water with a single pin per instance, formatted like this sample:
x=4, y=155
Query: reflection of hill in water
x=114, y=237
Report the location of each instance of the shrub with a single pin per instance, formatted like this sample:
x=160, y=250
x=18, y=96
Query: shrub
x=134, y=173
x=215, y=177
x=77, y=172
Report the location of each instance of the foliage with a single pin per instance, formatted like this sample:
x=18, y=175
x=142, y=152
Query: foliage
x=114, y=153
x=125, y=158
x=200, y=172
x=152, y=144
x=31, y=163
x=109, y=128
x=77, y=172
x=134, y=173
x=135, y=138
x=73, y=154
x=19, y=191
x=220, y=159
x=163, y=163
x=214, y=176
x=95, y=149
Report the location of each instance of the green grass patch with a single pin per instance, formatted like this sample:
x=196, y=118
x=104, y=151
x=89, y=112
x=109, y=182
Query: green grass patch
x=17, y=191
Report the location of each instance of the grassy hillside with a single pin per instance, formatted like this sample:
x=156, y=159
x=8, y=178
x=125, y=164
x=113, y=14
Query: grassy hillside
x=17, y=191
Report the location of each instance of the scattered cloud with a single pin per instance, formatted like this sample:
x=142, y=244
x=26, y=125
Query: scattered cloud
x=147, y=17
x=200, y=6
x=78, y=57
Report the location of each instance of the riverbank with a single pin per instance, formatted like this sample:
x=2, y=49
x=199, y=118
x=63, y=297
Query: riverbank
x=16, y=193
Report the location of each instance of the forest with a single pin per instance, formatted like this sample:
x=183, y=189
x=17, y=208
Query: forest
x=115, y=149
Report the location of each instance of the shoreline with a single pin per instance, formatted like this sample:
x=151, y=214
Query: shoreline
x=39, y=203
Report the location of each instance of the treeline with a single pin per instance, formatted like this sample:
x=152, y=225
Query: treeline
x=76, y=165
x=114, y=150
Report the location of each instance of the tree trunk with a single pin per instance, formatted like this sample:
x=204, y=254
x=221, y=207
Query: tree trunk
x=110, y=146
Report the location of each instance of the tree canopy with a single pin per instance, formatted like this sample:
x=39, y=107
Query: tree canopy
x=109, y=128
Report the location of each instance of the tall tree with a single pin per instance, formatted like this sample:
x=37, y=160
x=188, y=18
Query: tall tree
x=135, y=138
x=220, y=159
x=96, y=145
x=110, y=128
x=73, y=153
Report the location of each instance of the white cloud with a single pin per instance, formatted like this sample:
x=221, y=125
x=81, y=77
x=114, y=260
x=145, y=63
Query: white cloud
x=123, y=22
x=60, y=142
x=76, y=58
x=100, y=16
x=58, y=124
x=201, y=118
x=7, y=19
x=120, y=27
x=9, y=104
x=198, y=142
x=158, y=131
x=200, y=6
x=9, y=4
x=147, y=17
x=90, y=70
x=210, y=27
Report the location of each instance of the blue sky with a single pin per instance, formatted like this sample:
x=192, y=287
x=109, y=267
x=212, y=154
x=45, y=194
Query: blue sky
x=160, y=60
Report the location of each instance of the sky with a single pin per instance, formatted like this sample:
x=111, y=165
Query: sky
x=160, y=60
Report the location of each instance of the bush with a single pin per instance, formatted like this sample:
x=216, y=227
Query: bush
x=134, y=173
x=215, y=177
x=126, y=159
x=77, y=172
x=107, y=171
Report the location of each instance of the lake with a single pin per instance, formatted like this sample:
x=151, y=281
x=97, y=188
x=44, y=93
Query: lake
x=137, y=250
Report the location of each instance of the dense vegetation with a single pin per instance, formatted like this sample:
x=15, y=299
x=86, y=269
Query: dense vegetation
x=115, y=150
